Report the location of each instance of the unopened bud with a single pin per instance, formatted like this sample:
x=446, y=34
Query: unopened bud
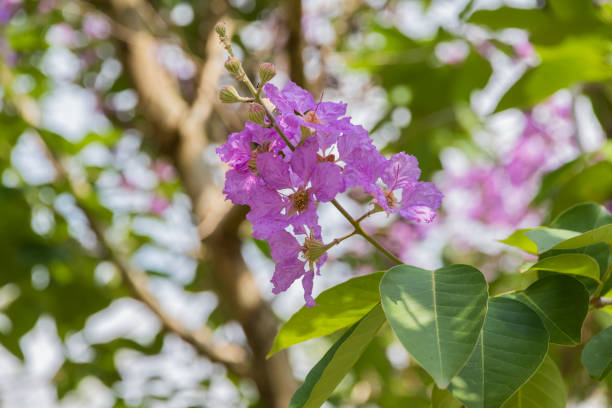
x=234, y=66
x=257, y=114
x=221, y=29
x=228, y=94
x=267, y=71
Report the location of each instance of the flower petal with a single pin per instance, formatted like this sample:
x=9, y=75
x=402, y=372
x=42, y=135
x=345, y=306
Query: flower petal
x=274, y=171
x=420, y=202
x=400, y=171
x=327, y=181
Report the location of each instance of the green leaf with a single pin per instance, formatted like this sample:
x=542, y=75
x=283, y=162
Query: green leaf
x=561, y=302
x=338, y=361
x=569, y=264
x=443, y=399
x=547, y=238
x=512, y=345
x=437, y=315
x=576, y=59
x=601, y=234
x=519, y=240
x=597, y=354
x=582, y=217
x=336, y=308
x=545, y=389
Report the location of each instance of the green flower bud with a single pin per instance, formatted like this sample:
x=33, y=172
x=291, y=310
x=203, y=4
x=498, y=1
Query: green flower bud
x=228, y=94
x=221, y=29
x=234, y=67
x=267, y=71
x=257, y=114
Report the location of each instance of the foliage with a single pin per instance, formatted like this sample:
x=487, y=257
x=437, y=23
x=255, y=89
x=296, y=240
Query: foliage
x=111, y=252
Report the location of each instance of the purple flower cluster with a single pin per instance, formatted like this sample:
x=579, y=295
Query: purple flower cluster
x=284, y=186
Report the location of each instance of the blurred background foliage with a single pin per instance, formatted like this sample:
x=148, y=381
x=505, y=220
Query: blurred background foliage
x=127, y=281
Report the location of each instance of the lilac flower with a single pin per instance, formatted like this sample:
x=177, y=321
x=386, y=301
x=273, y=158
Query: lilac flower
x=287, y=252
x=301, y=183
x=402, y=192
x=298, y=109
x=240, y=153
x=283, y=186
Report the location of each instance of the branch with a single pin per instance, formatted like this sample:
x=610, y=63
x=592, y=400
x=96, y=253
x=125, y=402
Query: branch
x=295, y=44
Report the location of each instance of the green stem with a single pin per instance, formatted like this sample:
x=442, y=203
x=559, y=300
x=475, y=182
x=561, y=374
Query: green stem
x=604, y=279
x=366, y=215
x=339, y=240
x=361, y=232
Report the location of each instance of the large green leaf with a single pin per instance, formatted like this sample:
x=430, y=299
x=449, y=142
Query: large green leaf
x=561, y=302
x=569, y=264
x=548, y=238
x=337, y=307
x=577, y=59
x=338, y=361
x=597, y=354
x=437, y=315
x=520, y=240
x=582, y=217
x=512, y=345
x=601, y=234
x=545, y=389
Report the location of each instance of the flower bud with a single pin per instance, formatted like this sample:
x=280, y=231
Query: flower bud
x=257, y=114
x=221, y=29
x=234, y=66
x=267, y=71
x=228, y=94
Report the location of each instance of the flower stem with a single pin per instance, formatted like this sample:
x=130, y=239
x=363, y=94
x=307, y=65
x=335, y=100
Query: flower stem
x=339, y=240
x=366, y=215
x=361, y=232
x=604, y=279
x=351, y=220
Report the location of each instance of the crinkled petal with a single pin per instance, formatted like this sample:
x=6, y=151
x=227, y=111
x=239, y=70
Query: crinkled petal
x=284, y=246
x=420, y=202
x=307, y=284
x=300, y=99
x=400, y=170
x=274, y=171
x=327, y=181
x=285, y=273
x=238, y=186
x=330, y=111
x=276, y=97
x=304, y=159
x=265, y=215
x=291, y=98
